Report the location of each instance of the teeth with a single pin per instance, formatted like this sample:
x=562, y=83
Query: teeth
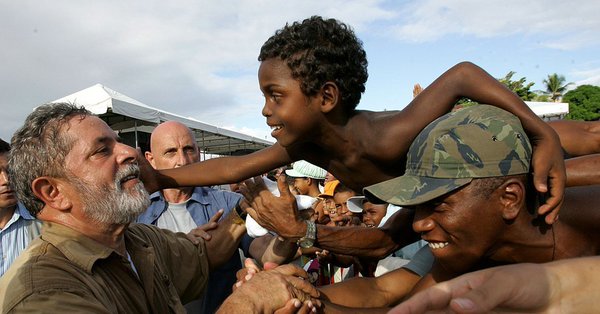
x=275, y=127
x=437, y=245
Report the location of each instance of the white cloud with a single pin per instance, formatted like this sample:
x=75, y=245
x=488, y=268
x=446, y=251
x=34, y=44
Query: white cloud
x=194, y=58
x=562, y=24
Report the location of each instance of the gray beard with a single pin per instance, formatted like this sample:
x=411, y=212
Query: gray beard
x=111, y=204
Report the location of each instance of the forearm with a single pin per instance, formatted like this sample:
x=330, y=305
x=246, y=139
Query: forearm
x=223, y=170
x=269, y=248
x=225, y=240
x=357, y=241
x=370, y=243
x=584, y=170
x=577, y=284
x=331, y=308
x=468, y=80
x=357, y=292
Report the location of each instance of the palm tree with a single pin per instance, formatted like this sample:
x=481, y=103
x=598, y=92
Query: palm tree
x=555, y=86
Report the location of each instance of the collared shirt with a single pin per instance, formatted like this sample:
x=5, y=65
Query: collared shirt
x=64, y=271
x=202, y=205
x=21, y=229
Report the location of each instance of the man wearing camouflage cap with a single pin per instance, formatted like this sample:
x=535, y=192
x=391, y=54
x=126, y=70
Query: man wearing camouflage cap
x=467, y=179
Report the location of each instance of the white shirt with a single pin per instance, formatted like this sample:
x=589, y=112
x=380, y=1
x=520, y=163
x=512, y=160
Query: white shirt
x=177, y=218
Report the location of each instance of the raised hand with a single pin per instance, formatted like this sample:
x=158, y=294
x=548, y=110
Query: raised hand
x=200, y=232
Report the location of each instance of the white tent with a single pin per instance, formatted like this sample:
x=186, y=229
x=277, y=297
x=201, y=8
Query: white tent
x=549, y=110
x=131, y=117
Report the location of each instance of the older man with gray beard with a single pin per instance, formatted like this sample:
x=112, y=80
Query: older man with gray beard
x=73, y=173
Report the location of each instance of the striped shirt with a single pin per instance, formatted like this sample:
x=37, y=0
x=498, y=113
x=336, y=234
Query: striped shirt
x=16, y=235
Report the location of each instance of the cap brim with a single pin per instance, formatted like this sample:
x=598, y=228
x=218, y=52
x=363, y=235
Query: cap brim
x=355, y=204
x=410, y=190
x=294, y=173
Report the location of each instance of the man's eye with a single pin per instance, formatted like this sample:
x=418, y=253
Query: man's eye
x=101, y=151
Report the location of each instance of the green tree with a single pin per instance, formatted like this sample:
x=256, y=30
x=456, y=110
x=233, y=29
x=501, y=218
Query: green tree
x=584, y=103
x=519, y=87
x=555, y=86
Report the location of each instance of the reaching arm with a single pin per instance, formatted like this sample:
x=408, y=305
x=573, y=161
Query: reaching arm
x=214, y=171
x=280, y=214
x=383, y=291
x=583, y=170
x=572, y=133
x=270, y=248
x=468, y=80
x=566, y=286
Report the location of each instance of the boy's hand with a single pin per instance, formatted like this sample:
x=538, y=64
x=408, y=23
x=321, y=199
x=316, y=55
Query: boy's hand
x=549, y=175
x=148, y=174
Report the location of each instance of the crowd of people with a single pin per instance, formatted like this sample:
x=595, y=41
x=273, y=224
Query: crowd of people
x=349, y=211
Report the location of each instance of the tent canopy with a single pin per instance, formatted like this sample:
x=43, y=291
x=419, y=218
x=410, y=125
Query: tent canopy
x=549, y=110
x=135, y=121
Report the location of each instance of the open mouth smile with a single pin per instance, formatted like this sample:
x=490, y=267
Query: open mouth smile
x=437, y=245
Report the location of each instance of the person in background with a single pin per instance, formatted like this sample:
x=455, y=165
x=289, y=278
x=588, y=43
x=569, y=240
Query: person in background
x=17, y=226
x=197, y=210
x=307, y=177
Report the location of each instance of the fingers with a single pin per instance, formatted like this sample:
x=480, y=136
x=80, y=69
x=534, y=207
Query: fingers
x=251, y=264
x=270, y=265
x=292, y=306
x=217, y=216
x=283, y=187
x=304, y=286
x=291, y=270
x=549, y=179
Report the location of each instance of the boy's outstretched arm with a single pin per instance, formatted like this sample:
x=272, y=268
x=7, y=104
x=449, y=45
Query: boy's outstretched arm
x=214, y=171
x=468, y=80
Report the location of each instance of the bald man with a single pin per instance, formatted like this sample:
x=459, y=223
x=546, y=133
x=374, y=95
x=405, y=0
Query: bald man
x=195, y=211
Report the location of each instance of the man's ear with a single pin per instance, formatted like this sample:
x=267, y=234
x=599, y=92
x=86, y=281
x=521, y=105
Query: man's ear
x=150, y=158
x=49, y=190
x=331, y=96
x=512, y=197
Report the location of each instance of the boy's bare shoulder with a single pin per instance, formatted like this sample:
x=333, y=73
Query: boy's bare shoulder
x=388, y=127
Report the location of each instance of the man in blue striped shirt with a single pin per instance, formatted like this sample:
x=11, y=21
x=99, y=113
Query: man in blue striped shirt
x=17, y=226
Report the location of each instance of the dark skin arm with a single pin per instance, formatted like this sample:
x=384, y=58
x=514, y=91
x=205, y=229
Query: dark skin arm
x=370, y=292
x=583, y=170
x=572, y=133
x=468, y=80
x=215, y=171
x=280, y=215
x=270, y=248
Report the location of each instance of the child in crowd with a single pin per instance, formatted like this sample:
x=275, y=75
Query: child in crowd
x=312, y=74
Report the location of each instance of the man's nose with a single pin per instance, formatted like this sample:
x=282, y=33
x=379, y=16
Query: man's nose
x=126, y=153
x=422, y=223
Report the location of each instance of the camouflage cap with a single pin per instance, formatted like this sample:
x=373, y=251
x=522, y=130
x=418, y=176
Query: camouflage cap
x=474, y=142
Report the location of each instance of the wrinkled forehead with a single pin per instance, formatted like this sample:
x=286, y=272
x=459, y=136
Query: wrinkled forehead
x=83, y=132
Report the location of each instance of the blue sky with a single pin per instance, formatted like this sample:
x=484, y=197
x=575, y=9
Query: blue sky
x=198, y=58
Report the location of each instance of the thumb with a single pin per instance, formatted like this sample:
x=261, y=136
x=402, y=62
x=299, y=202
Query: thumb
x=284, y=189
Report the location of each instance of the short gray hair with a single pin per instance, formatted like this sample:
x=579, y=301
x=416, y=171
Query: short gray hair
x=39, y=148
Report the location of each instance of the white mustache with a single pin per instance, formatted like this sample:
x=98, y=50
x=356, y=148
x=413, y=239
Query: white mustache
x=130, y=170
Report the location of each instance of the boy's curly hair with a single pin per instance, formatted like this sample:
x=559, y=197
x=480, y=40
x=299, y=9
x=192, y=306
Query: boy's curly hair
x=318, y=50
